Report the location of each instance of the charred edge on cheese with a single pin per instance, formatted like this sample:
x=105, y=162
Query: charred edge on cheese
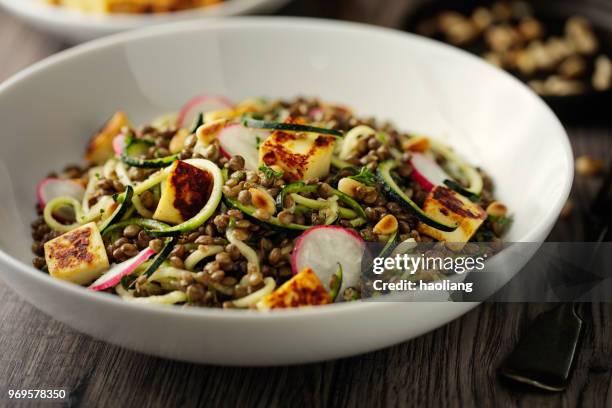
x=297, y=162
x=449, y=200
x=193, y=187
x=311, y=293
x=72, y=249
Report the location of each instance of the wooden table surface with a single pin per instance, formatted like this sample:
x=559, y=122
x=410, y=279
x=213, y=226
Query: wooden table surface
x=453, y=366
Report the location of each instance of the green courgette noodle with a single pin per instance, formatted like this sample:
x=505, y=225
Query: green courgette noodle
x=91, y=186
x=153, y=180
x=335, y=289
x=168, y=299
x=322, y=204
x=472, y=175
x=109, y=168
x=288, y=127
x=246, y=251
x=308, y=202
x=209, y=208
x=331, y=212
x=124, y=293
x=122, y=174
x=124, y=178
x=168, y=272
x=358, y=222
x=351, y=139
x=253, y=298
x=96, y=212
x=145, y=223
x=57, y=203
x=201, y=253
x=339, y=163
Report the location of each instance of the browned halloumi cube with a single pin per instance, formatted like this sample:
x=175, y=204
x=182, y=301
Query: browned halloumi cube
x=100, y=147
x=300, y=156
x=449, y=207
x=304, y=289
x=186, y=190
x=77, y=256
x=209, y=131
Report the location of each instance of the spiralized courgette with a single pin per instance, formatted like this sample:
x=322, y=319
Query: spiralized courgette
x=253, y=298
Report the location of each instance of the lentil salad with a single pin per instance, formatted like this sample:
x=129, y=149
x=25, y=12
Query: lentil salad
x=208, y=207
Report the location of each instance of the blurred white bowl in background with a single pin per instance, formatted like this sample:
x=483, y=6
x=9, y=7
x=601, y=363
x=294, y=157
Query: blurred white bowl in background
x=75, y=26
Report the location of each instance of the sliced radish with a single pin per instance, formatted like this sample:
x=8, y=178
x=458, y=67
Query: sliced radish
x=52, y=188
x=201, y=104
x=119, y=144
x=427, y=172
x=316, y=113
x=114, y=274
x=322, y=248
x=237, y=140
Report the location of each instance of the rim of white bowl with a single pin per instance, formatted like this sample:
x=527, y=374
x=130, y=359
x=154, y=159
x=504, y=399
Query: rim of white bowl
x=255, y=23
x=40, y=11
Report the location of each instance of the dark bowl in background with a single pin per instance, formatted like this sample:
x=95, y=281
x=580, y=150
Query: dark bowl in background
x=585, y=108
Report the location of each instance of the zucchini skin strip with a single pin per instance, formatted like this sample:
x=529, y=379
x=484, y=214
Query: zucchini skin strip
x=141, y=222
x=209, y=208
x=119, y=212
x=273, y=221
x=393, y=192
x=149, y=164
x=290, y=127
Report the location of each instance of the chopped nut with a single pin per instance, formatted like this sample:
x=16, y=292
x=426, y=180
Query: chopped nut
x=449, y=18
x=589, y=166
x=482, y=18
x=556, y=85
x=537, y=86
x=262, y=200
x=572, y=67
x=578, y=30
x=525, y=63
x=540, y=55
x=493, y=58
x=497, y=209
x=349, y=186
x=530, y=29
x=387, y=225
x=502, y=10
x=501, y=38
x=567, y=209
x=461, y=33
x=558, y=49
x=416, y=144
x=602, y=77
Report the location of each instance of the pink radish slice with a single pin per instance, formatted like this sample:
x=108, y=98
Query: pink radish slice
x=119, y=144
x=427, y=172
x=201, y=104
x=316, y=113
x=51, y=188
x=322, y=248
x=114, y=274
x=237, y=140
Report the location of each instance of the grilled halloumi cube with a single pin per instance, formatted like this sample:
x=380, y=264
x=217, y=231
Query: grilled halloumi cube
x=447, y=206
x=209, y=131
x=100, y=147
x=301, y=156
x=77, y=256
x=304, y=289
x=185, y=191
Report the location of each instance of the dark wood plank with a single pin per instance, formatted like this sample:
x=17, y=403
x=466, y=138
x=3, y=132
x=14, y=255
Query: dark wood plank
x=452, y=366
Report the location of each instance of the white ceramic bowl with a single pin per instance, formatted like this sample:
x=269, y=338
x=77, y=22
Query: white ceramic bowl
x=49, y=110
x=75, y=27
